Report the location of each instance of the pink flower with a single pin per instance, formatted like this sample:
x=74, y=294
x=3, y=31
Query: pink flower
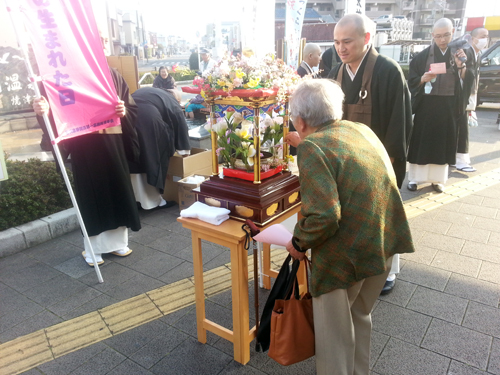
x=218, y=151
x=237, y=82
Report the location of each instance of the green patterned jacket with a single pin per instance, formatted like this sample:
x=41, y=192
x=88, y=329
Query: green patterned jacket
x=354, y=218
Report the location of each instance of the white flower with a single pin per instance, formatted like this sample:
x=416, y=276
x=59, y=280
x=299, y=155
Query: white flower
x=245, y=144
x=221, y=125
x=278, y=120
x=208, y=126
x=250, y=161
x=251, y=151
x=268, y=122
x=237, y=118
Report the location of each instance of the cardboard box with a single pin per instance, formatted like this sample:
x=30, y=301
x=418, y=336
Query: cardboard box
x=199, y=162
x=186, y=195
x=127, y=66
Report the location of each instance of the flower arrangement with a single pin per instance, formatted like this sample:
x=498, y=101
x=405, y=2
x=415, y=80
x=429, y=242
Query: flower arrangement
x=249, y=73
x=235, y=140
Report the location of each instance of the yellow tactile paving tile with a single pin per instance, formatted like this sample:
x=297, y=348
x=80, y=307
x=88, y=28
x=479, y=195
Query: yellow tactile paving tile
x=32, y=350
x=77, y=333
x=216, y=280
x=443, y=198
x=130, y=313
x=25, y=352
x=172, y=297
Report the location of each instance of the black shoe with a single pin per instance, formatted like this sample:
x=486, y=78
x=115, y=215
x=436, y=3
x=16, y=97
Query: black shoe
x=439, y=188
x=412, y=186
x=388, y=287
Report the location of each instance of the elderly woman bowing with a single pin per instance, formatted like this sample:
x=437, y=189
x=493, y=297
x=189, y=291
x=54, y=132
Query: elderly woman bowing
x=353, y=222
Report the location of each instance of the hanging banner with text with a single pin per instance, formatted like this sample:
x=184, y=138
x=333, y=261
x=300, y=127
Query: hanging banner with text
x=295, y=11
x=72, y=65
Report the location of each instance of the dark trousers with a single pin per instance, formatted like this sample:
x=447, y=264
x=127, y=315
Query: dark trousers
x=463, y=134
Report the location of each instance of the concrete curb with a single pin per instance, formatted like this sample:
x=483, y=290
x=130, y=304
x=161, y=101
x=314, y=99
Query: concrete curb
x=19, y=238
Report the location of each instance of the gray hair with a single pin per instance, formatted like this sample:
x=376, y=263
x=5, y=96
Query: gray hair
x=361, y=22
x=442, y=23
x=317, y=101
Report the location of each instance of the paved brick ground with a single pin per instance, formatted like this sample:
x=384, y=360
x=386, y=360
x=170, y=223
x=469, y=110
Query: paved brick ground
x=443, y=316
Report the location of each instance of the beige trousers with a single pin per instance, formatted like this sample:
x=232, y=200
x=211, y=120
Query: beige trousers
x=343, y=325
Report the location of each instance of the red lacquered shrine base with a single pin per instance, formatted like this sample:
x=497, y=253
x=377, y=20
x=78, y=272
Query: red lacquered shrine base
x=261, y=203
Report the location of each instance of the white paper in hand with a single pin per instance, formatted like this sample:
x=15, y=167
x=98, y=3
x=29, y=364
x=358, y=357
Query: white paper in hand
x=276, y=234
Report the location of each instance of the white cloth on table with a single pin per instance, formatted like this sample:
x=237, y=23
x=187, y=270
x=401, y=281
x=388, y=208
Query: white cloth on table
x=208, y=214
x=434, y=173
x=148, y=196
x=108, y=241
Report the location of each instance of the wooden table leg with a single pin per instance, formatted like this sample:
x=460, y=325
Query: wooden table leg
x=266, y=265
x=239, y=276
x=199, y=287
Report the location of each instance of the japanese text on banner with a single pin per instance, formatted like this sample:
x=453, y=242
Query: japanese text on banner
x=295, y=11
x=72, y=65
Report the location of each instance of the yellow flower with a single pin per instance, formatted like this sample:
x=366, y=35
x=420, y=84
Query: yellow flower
x=291, y=159
x=253, y=83
x=243, y=134
x=240, y=74
x=221, y=82
x=203, y=94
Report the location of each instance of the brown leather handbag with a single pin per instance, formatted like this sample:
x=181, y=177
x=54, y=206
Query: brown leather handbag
x=292, y=326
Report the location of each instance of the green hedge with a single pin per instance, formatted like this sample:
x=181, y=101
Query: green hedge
x=177, y=76
x=34, y=189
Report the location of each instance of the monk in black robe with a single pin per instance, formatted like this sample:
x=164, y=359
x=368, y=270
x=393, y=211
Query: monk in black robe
x=162, y=130
x=102, y=179
x=376, y=95
x=439, y=102
x=389, y=114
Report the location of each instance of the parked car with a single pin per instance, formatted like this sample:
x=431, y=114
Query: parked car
x=489, y=76
x=386, y=19
x=383, y=20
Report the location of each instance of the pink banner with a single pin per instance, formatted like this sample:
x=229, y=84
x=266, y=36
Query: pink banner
x=72, y=65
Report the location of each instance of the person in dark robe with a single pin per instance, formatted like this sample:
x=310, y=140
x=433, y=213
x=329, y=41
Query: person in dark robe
x=162, y=130
x=101, y=175
x=329, y=60
x=164, y=80
x=439, y=102
x=478, y=41
x=376, y=95
x=385, y=101
x=194, y=61
x=312, y=57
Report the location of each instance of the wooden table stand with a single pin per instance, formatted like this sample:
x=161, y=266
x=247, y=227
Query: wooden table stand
x=229, y=234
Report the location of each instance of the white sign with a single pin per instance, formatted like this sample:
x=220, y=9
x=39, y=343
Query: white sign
x=257, y=26
x=294, y=18
x=3, y=168
x=355, y=6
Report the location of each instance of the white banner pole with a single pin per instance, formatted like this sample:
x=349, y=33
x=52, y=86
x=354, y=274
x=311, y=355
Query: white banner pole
x=32, y=77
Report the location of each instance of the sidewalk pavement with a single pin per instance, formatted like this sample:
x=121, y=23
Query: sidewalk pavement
x=443, y=317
